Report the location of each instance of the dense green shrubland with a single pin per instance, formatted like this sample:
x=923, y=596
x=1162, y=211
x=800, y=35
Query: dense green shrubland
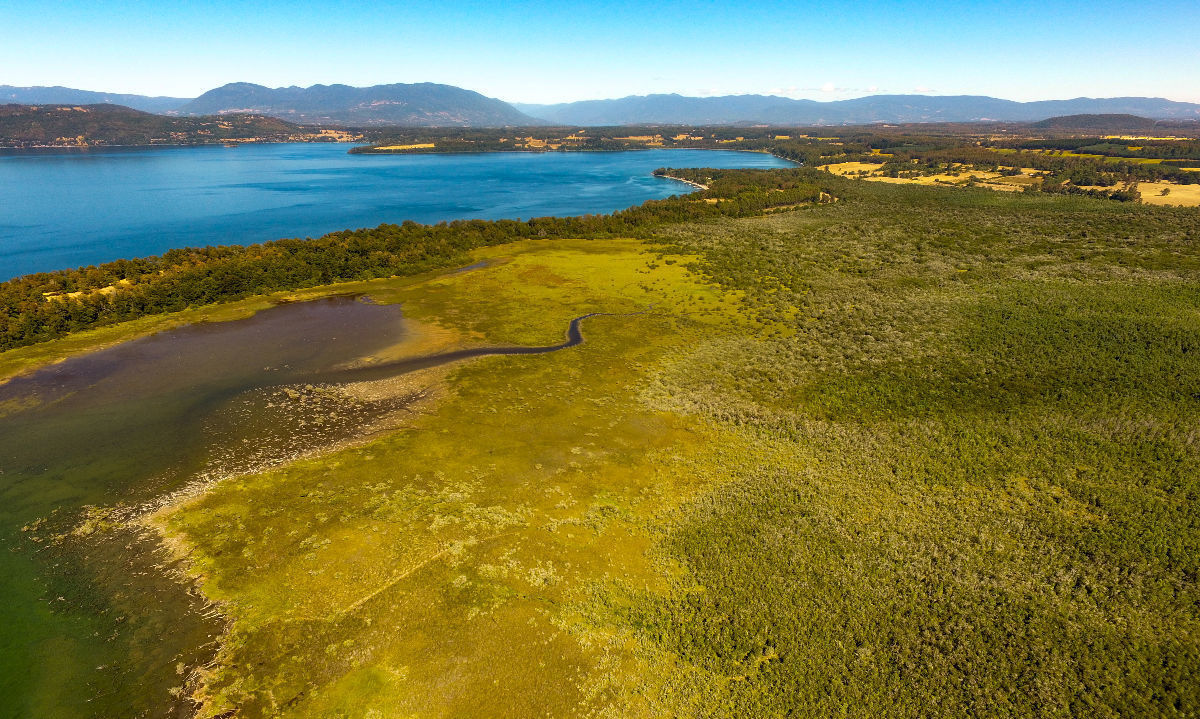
x=987, y=404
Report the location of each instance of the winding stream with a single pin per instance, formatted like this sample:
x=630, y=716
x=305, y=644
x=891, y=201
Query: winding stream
x=412, y=364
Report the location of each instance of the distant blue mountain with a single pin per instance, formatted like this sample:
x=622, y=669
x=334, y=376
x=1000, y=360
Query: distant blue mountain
x=424, y=104
x=66, y=95
x=773, y=110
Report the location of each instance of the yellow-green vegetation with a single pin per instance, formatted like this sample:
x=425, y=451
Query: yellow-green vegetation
x=1106, y=158
x=961, y=177
x=449, y=569
x=854, y=169
x=913, y=453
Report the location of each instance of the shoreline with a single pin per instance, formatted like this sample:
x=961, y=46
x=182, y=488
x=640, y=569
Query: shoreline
x=697, y=185
x=229, y=144
x=369, y=150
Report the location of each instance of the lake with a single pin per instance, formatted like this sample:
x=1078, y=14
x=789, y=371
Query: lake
x=67, y=208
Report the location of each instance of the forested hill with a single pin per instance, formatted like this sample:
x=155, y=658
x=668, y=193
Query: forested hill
x=773, y=110
x=423, y=104
x=100, y=125
x=434, y=105
x=1101, y=123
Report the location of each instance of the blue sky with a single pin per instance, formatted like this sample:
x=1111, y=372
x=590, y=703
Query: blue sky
x=562, y=51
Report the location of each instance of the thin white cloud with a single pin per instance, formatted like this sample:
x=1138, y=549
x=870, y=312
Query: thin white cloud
x=827, y=90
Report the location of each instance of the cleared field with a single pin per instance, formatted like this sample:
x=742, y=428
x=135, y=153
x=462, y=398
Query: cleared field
x=990, y=180
x=415, y=146
x=1028, y=176
x=1177, y=195
x=844, y=169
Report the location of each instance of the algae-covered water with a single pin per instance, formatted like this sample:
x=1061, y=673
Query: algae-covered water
x=89, y=626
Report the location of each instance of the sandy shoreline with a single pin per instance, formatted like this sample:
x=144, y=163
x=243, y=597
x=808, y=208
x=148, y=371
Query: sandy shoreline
x=697, y=185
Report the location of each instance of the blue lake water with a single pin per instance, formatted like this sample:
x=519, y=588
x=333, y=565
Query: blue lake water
x=67, y=208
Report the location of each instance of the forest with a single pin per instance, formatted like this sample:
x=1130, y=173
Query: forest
x=987, y=400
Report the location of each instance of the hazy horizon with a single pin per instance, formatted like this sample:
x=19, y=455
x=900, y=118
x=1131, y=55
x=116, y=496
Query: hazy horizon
x=543, y=53
x=615, y=97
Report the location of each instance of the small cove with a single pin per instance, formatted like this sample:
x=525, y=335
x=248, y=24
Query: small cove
x=119, y=427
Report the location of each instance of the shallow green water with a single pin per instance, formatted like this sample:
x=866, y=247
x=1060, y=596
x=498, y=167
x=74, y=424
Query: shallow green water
x=88, y=626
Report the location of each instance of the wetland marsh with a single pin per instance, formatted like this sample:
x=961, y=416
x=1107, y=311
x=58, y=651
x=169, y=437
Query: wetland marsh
x=918, y=451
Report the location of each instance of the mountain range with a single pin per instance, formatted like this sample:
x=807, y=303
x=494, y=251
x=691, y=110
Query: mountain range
x=434, y=105
x=424, y=104
x=773, y=110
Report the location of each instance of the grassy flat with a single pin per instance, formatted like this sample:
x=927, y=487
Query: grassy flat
x=534, y=480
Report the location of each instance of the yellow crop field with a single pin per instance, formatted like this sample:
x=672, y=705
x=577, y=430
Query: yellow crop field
x=417, y=146
x=1178, y=195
